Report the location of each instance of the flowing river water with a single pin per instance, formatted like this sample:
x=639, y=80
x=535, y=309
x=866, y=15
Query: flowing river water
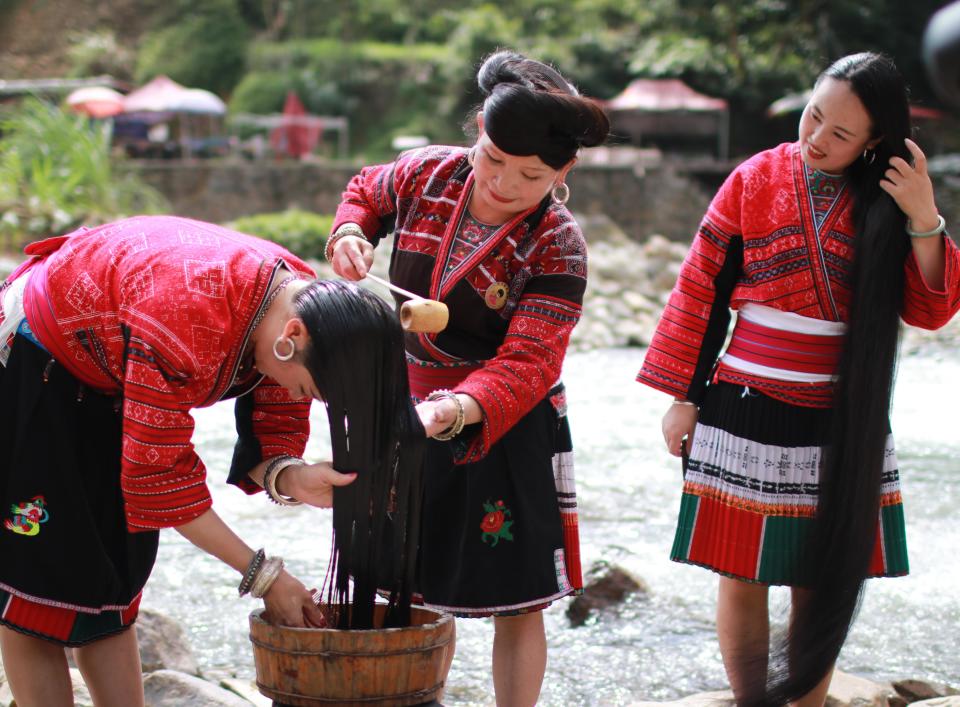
x=659, y=644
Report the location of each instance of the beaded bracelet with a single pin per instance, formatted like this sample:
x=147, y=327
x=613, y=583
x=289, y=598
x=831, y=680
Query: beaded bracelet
x=457, y=426
x=347, y=229
x=251, y=573
x=940, y=228
x=270, y=476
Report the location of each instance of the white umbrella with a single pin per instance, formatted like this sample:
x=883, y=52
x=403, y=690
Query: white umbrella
x=198, y=100
x=164, y=94
x=790, y=103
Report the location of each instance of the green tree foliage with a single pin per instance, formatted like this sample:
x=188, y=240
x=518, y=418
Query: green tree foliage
x=56, y=173
x=303, y=233
x=753, y=53
x=384, y=89
x=199, y=44
x=98, y=53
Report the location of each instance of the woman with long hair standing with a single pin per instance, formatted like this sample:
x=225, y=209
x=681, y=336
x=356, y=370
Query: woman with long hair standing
x=790, y=474
x=486, y=231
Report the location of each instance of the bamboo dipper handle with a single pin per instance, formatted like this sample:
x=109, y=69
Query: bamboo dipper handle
x=419, y=315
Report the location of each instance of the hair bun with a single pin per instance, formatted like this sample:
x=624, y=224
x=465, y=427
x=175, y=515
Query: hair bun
x=530, y=108
x=500, y=68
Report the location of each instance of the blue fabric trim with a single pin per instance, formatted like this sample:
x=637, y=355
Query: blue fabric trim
x=25, y=330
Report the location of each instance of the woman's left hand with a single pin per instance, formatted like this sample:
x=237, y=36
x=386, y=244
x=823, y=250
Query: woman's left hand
x=289, y=603
x=437, y=415
x=911, y=188
x=313, y=483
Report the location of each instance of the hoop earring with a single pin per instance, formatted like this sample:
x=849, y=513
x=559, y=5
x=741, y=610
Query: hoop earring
x=470, y=156
x=560, y=193
x=872, y=159
x=285, y=356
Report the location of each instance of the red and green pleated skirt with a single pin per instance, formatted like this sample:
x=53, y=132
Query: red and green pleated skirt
x=751, y=487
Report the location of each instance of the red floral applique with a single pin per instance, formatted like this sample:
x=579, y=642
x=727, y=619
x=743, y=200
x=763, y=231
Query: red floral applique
x=495, y=524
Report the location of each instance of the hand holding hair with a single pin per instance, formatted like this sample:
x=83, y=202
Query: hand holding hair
x=313, y=484
x=910, y=186
x=351, y=257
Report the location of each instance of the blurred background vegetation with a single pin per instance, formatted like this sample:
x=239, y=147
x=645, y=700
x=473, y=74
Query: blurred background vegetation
x=56, y=173
x=407, y=66
x=403, y=67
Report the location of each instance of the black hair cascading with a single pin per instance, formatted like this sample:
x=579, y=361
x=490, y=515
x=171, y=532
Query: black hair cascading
x=841, y=544
x=356, y=359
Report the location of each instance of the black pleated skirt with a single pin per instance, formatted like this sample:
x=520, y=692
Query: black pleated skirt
x=500, y=535
x=71, y=572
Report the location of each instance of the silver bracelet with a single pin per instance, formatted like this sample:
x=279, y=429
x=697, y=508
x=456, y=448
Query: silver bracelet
x=276, y=465
x=684, y=402
x=457, y=426
x=269, y=571
x=346, y=229
x=941, y=227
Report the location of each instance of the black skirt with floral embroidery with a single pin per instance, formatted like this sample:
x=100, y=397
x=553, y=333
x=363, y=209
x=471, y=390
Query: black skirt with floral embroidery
x=71, y=571
x=500, y=535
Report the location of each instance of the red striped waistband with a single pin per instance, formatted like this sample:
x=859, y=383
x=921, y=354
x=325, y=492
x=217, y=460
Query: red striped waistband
x=428, y=376
x=785, y=350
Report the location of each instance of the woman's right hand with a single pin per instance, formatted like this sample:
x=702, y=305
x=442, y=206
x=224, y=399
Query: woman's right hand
x=352, y=257
x=679, y=423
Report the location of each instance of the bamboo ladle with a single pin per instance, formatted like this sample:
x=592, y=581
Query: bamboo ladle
x=419, y=314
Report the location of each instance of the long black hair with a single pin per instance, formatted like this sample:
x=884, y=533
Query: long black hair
x=838, y=554
x=356, y=358
x=529, y=108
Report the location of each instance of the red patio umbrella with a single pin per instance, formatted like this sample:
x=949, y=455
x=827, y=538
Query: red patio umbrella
x=96, y=101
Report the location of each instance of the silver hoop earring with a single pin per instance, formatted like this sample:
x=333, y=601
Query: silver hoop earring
x=560, y=193
x=872, y=158
x=470, y=156
x=285, y=356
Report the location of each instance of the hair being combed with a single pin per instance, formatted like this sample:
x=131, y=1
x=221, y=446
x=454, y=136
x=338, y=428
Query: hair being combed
x=529, y=108
x=837, y=557
x=356, y=359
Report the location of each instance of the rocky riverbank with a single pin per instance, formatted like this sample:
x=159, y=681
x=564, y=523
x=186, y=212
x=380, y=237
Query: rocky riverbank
x=171, y=679
x=627, y=288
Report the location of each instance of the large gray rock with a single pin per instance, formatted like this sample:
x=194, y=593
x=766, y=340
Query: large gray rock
x=247, y=689
x=851, y=691
x=163, y=644
x=607, y=587
x=169, y=688
x=917, y=690
x=723, y=698
x=845, y=691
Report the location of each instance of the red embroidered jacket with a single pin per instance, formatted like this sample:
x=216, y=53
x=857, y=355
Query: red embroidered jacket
x=758, y=243
x=159, y=309
x=506, y=355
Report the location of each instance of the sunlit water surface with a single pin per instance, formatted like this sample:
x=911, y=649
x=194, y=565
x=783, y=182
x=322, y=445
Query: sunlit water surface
x=659, y=645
